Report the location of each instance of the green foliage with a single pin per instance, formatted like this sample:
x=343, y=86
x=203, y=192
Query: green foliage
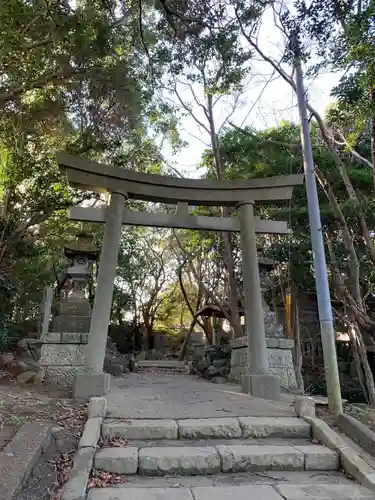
x=276, y=151
x=6, y=339
x=73, y=76
x=341, y=35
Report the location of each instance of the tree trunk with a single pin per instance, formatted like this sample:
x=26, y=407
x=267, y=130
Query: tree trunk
x=186, y=340
x=226, y=237
x=366, y=367
x=348, y=240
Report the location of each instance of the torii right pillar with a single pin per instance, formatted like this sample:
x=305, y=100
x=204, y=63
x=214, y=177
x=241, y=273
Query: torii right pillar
x=259, y=382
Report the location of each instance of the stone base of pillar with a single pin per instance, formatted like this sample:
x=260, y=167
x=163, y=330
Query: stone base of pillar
x=64, y=349
x=62, y=357
x=280, y=361
x=91, y=385
x=265, y=386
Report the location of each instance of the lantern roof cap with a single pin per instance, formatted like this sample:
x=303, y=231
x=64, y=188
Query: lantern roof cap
x=81, y=246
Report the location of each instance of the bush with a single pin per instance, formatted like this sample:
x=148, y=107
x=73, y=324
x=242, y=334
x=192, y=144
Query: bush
x=6, y=340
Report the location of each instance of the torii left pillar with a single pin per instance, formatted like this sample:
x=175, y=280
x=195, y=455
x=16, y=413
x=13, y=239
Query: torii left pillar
x=94, y=382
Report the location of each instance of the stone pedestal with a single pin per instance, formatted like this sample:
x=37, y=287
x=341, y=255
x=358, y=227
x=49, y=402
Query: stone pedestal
x=63, y=352
x=280, y=361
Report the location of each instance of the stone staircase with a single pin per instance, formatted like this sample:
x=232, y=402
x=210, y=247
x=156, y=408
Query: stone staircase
x=163, y=366
x=252, y=458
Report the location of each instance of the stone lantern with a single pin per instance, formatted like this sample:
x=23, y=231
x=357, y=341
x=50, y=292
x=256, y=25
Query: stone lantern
x=64, y=348
x=82, y=254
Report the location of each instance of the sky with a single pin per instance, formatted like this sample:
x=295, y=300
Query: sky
x=266, y=102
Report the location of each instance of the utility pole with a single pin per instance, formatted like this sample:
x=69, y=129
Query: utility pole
x=321, y=278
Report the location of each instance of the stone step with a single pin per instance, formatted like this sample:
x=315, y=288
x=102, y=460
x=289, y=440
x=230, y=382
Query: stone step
x=207, y=428
x=162, y=366
x=216, y=442
x=207, y=460
x=312, y=491
x=161, y=363
x=236, y=479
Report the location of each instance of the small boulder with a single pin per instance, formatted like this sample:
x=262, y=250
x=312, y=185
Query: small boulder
x=202, y=366
x=112, y=367
x=218, y=363
x=132, y=363
x=29, y=347
x=6, y=359
x=16, y=367
x=219, y=380
x=27, y=377
x=212, y=371
x=29, y=343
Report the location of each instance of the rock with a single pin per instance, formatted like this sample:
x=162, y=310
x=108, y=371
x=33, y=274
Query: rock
x=141, y=356
x=26, y=377
x=219, y=380
x=212, y=371
x=6, y=359
x=115, y=363
x=29, y=347
x=41, y=375
x=112, y=367
x=218, y=363
x=224, y=371
x=32, y=365
x=132, y=363
x=15, y=368
x=202, y=366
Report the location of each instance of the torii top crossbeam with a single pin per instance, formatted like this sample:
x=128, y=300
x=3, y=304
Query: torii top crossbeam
x=94, y=176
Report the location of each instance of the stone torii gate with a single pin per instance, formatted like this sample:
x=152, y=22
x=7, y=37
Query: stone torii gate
x=122, y=185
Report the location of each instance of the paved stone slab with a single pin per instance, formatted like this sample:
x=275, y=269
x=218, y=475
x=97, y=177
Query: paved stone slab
x=91, y=433
x=140, y=494
x=119, y=460
x=305, y=406
x=141, y=429
x=91, y=385
x=241, y=458
x=253, y=492
x=145, y=395
x=317, y=491
x=97, y=407
x=75, y=488
x=20, y=456
x=185, y=461
x=274, y=427
x=209, y=428
x=319, y=457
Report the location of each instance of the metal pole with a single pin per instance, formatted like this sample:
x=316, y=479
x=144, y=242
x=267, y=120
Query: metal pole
x=321, y=278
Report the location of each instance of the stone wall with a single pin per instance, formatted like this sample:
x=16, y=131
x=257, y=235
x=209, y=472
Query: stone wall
x=279, y=358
